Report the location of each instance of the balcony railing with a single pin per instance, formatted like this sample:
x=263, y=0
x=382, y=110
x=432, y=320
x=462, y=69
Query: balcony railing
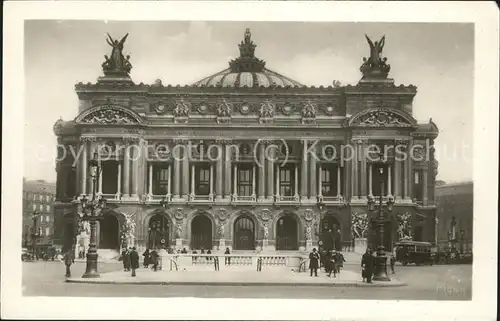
x=243, y=199
x=193, y=198
x=280, y=199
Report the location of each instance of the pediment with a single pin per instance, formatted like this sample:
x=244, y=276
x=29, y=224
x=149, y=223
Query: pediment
x=382, y=117
x=109, y=115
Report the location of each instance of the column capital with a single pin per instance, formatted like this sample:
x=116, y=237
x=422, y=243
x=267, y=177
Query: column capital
x=180, y=141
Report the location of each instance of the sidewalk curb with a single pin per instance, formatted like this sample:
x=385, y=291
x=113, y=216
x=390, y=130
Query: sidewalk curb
x=228, y=283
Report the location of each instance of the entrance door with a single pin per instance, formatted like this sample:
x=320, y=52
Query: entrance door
x=109, y=233
x=158, y=232
x=244, y=234
x=286, y=234
x=330, y=235
x=201, y=233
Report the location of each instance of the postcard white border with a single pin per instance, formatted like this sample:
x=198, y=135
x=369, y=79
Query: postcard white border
x=483, y=14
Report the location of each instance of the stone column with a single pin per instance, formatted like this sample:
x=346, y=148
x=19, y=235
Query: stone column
x=370, y=179
x=270, y=175
x=296, y=183
x=303, y=175
x=169, y=182
x=339, y=178
x=312, y=175
x=389, y=180
x=177, y=172
x=320, y=181
x=185, y=173
x=277, y=186
x=227, y=174
x=136, y=152
x=219, y=174
x=211, y=194
x=83, y=165
x=126, y=170
x=397, y=176
x=99, y=188
x=253, y=182
x=354, y=174
x=235, y=181
x=425, y=174
x=119, y=182
x=193, y=173
x=150, y=183
x=408, y=172
x=362, y=163
x=262, y=172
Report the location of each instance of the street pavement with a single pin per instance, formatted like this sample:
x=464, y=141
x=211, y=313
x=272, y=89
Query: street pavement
x=438, y=282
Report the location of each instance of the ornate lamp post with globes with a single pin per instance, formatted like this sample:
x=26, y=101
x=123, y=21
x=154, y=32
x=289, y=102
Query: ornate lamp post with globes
x=91, y=211
x=380, y=273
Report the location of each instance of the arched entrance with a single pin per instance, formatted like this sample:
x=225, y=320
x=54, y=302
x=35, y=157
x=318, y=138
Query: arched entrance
x=286, y=234
x=201, y=232
x=244, y=233
x=109, y=230
x=158, y=231
x=330, y=233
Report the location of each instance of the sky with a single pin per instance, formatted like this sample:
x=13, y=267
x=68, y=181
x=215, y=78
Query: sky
x=437, y=58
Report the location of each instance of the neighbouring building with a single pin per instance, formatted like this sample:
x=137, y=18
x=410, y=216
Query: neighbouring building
x=226, y=161
x=455, y=207
x=38, y=214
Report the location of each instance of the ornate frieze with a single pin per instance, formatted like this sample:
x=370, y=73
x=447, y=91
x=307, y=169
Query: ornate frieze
x=245, y=108
x=382, y=118
x=265, y=215
x=224, y=111
x=287, y=108
x=108, y=116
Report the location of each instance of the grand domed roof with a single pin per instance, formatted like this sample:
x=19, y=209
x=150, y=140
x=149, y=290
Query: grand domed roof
x=247, y=71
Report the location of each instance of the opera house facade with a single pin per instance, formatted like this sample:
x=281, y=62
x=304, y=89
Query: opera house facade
x=246, y=159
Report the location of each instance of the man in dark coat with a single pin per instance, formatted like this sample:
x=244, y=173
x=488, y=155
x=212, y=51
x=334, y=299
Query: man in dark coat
x=134, y=260
x=339, y=261
x=338, y=241
x=332, y=263
x=367, y=265
x=68, y=260
x=154, y=260
x=146, y=258
x=314, y=262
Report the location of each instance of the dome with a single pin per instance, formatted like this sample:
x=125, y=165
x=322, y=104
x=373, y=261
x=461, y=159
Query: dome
x=247, y=71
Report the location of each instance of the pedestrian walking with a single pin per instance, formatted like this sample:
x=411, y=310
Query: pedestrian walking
x=332, y=266
x=134, y=260
x=68, y=260
x=367, y=263
x=147, y=256
x=392, y=262
x=314, y=262
x=339, y=262
x=227, y=260
x=154, y=260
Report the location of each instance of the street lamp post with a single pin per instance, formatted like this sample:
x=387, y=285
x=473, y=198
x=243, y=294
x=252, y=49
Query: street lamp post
x=91, y=212
x=34, y=235
x=379, y=222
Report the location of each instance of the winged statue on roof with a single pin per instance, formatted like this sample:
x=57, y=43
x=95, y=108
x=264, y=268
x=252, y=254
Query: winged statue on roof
x=117, y=61
x=376, y=50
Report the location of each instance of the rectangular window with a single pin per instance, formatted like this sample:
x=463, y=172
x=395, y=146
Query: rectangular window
x=329, y=180
x=417, y=184
x=202, y=179
x=47, y=231
x=287, y=180
x=109, y=177
x=34, y=197
x=47, y=218
x=244, y=179
x=47, y=198
x=160, y=179
x=47, y=207
x=379, y=179
x=34, y=207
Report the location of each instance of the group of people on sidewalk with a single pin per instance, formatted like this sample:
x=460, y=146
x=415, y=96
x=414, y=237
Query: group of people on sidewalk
x=130, y=259
x=332, y=261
